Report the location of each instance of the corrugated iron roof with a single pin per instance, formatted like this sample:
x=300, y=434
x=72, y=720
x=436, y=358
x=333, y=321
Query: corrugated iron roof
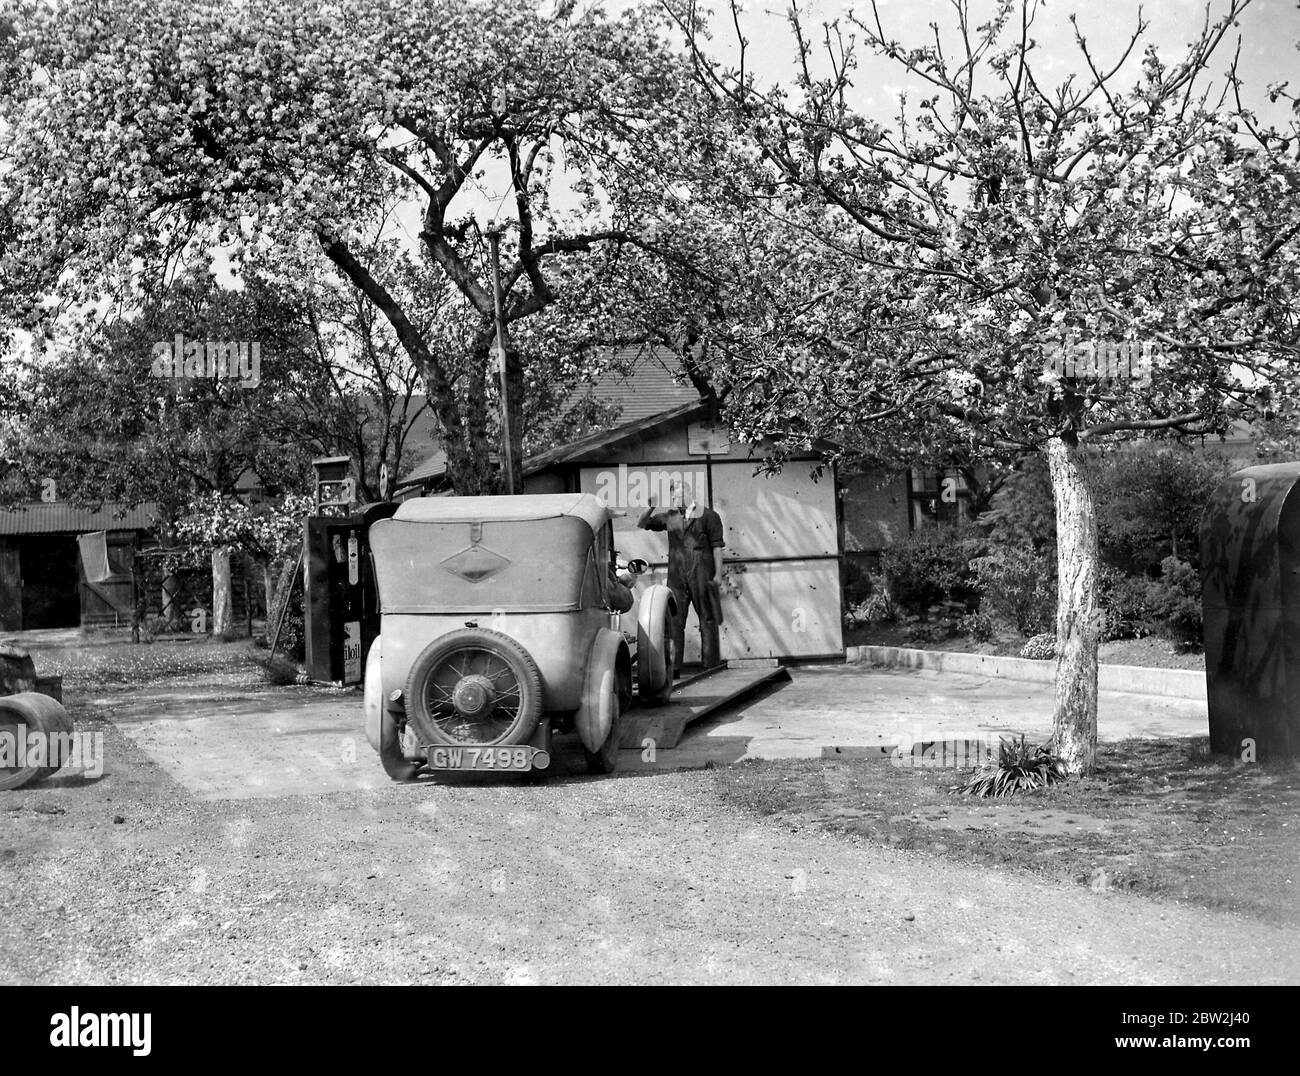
x=60, y=517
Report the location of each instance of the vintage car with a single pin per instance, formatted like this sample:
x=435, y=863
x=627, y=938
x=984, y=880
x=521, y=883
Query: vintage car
x=502, y=623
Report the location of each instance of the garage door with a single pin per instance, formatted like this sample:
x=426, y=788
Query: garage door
x=781, y=585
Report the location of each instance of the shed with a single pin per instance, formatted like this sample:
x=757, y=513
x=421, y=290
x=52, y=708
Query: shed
x=781, y=571
x=43, y=577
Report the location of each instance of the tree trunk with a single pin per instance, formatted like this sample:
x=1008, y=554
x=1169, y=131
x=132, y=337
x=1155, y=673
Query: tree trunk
x=268, y=587
x=221, y=603
x=515, y=386
x=1078, y=625
x=470, y=470
x=171, y=613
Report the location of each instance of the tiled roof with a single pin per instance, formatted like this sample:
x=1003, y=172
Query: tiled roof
x=432, y=467
x=648, y=390
x=60, y=517
x=651, y=387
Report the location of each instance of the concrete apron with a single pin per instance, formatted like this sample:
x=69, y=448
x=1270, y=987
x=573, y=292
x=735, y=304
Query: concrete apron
x=268, y=746
x=859, y=710
x=1180, y=683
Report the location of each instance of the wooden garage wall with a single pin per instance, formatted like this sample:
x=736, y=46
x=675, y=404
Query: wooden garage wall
x=781, y=565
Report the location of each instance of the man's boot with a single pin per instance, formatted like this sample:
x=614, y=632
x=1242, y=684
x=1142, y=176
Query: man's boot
x=710, y=646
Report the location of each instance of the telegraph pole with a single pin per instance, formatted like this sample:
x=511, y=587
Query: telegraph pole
x=507, y=442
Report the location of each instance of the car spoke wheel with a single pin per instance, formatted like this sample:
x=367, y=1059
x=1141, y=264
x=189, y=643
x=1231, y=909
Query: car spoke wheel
x=474, y=687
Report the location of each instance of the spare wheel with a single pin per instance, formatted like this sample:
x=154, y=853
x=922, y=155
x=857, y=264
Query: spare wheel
x=474, y=686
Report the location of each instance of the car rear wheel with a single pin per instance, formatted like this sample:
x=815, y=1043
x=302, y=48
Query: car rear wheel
x=606, y=759
x=395, y=764
x=474, y=686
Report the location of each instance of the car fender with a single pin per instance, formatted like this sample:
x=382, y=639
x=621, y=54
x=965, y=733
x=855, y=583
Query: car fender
x=600, y=688
x=374, y=694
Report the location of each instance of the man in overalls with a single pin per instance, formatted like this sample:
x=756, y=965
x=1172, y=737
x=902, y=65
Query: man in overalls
x=695, y=544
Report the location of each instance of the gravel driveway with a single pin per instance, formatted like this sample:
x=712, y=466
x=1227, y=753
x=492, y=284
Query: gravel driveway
x=644, y=878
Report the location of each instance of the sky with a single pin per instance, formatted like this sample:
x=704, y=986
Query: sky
x=1269, y=30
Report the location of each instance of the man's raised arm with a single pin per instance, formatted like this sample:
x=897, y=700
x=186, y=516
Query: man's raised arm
x=653, y=519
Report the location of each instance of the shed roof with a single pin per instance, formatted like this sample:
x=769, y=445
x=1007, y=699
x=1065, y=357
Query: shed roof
x=604, y=439
x=60, y=517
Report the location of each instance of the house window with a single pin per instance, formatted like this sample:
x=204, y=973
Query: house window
x=938, y=498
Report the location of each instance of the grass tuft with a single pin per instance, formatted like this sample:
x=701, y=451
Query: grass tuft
x=1020, y=768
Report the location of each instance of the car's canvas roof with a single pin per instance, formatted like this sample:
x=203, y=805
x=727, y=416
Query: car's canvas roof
x=505, y=509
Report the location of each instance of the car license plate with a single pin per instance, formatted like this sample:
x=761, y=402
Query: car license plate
x=481, y=758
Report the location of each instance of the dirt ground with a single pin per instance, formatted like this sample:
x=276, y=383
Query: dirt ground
x=812, y=871
x=1163, y=818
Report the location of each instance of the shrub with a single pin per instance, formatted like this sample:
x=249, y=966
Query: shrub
x=292, y=641
x=869, y=603
x=940, y=622
x=1124, y=605
x=1149, y=502
x=1019, y=586
x=279, y=670
x=293, y=637
x=1019, y=768
x=1175, y=601
x=857, y=581
x=1022, y=513
x=916, y=630
x=978, y=626
x=1149, y=499
x=929, y=568
x=1040, y=647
